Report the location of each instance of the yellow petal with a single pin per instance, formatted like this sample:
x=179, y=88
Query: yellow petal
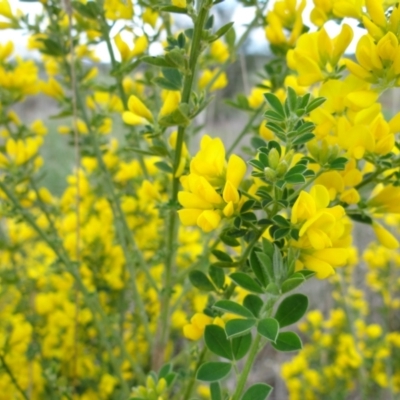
x=230, y=193
x=188, y=217
x=137, y=107
x=208, y=220
x=385, y=237
x=236, y=170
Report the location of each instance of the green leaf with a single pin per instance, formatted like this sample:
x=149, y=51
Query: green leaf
x=177, y=117
x=165, y=84
x=291, y=309
x=282, y=221
x=295, y=179
x=215, y=391
x=174, y=9
x=85, y=10
x=229, y=306
x=228, y=239
x=221, y=31
x=238, y=327
x=200, y=281
x=280, y=233
x=364, y=219
x=315, y=104
x=241, y=345
x=216, y=341
x=259, y=391
x=269, y=328
x=275, y=104
x=266, y=266
x=230, y=37
x=291, y=99
x=287, y=341
x=222, y=256
x=173, y=76
x=304, y=138
x=253, y=303
x=246, y=282
x=163, y=166
x=213, y=371
x=164, y=371
x=292, y=283
x=157, y=61
x=217, y=275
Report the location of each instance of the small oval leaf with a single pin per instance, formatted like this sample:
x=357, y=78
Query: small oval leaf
x=287, y=341
x=216, y=341
x=246, y=282
x=213, y=371
x=238, y=327
x=259, y=391
x=291, y=309
x=269, y=328
x=230, y=306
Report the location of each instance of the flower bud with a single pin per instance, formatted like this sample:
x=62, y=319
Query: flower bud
x=270, y=174
x=273, y=158
x=333, y=153
x=282, y=168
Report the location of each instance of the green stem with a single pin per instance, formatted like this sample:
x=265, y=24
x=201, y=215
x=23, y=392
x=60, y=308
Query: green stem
x=13, y=379
x=254, y=349
x=163, y=329
x=245, y=130
x=189, y=388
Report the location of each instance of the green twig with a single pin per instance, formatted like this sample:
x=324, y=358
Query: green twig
x=172, y=233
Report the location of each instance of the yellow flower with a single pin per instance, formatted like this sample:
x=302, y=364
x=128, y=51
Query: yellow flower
x=118, y=9
x=316, y=55
x=141, y=45
x=377, y=62
x=195, y=330
x=150, y=17
x=219, y=51
x=386, y=200
x=171, y=100
x=202, y=205
x=6, y=50
x=208, y=75
x=137, y=112
x=322, y=232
